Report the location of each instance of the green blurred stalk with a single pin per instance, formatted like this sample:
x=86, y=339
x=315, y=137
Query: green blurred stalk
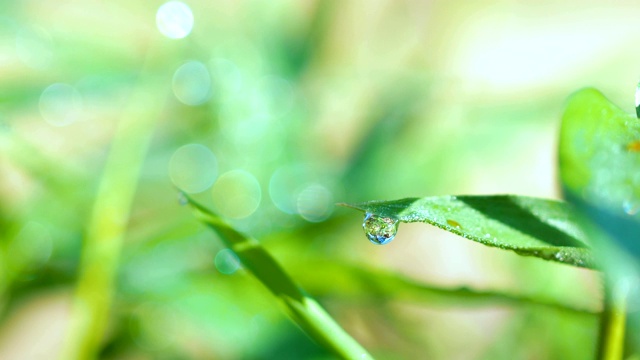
x=302, y=308
x=613, y=322
x=108, y=220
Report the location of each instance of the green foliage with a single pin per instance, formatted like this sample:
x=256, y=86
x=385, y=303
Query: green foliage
x=535, y=227
x=599, y=164
x=305, y=311
x=315, y=103
x=362, y=282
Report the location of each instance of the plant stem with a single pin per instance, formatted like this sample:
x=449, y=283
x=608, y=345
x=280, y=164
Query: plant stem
x=108, y=220
x=613, y=321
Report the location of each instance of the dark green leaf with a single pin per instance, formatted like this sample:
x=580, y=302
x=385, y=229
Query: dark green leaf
x=542, y=228
x=303, y=309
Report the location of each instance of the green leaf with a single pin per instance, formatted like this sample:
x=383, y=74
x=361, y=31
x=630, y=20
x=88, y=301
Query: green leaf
x=600, y=165
x=360, y=282
x=303, y=309
x=542, y=228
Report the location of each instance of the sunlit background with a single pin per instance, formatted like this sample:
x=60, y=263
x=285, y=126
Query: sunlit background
x=270, y=112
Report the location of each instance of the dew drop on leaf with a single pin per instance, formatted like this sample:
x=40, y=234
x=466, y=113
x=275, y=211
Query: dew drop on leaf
x=379, y=230
x=454, y=224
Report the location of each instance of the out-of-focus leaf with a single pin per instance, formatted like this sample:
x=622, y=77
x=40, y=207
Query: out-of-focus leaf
x=542, y=228
x=360, y=282
x=600, y=165
x=304, y=310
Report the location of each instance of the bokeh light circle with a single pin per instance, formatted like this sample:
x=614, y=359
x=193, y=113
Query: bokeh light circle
x=237, y=194
x=315, y=203
x=193, y=168
x=174, y=19
x=283, y=185
x=60, y=104
x=227, y=261
x=192, y=83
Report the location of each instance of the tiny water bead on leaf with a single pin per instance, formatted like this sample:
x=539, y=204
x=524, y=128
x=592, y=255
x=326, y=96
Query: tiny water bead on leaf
x=379, y=230
x=454, y=223
x=546, y=229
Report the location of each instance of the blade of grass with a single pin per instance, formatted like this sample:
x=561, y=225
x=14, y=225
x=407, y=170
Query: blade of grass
x=303, y=309
x=360, y=282
x=108, y=220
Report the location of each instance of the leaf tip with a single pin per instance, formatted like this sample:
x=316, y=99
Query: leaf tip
x=350, y=206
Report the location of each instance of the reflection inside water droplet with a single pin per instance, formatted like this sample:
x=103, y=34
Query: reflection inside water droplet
x=379, y=230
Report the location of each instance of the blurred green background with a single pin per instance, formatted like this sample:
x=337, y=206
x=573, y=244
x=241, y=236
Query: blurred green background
x=270, y=112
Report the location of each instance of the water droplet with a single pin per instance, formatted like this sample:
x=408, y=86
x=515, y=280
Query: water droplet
x=182, y=198
x=630, y=207
x=379, y=230
x=454, y=223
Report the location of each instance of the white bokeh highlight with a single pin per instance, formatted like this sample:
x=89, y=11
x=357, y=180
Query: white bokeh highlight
x=193, y=168
x=174, y=20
